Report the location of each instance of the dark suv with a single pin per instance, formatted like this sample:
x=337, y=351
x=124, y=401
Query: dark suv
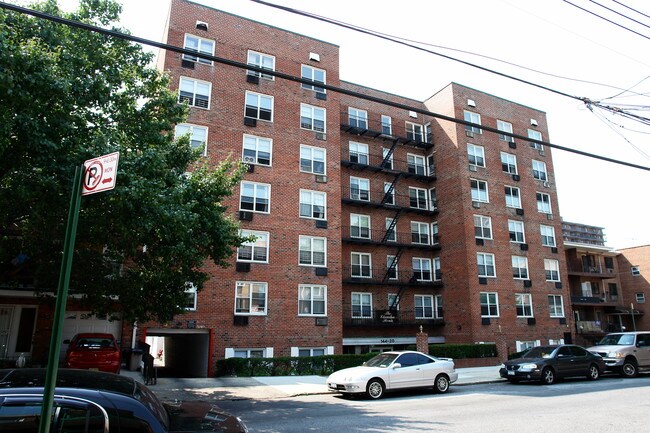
x=96, y=402
x=625, y=352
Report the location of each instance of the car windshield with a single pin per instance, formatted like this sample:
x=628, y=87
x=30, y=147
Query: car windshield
x=382, y=360
x=539, y=352
x=95, y=342
x=617, y=340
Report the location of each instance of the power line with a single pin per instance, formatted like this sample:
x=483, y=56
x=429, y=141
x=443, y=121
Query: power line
x=606, y=19
x=293, y=78
x=630, y=8
x=619, y=13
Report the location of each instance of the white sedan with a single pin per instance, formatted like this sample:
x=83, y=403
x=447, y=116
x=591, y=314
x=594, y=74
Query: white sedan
x=390, y=371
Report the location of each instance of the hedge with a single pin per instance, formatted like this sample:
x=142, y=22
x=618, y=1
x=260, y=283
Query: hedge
x=325, y=365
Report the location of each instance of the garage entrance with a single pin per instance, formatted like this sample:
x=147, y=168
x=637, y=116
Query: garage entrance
x=83, y=321
x=180, y=352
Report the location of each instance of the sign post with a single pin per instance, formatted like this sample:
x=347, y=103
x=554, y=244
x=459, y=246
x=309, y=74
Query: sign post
x=98, y=175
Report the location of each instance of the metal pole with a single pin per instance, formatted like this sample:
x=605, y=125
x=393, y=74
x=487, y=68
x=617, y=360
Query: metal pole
x=632, y=314
x=61, y=298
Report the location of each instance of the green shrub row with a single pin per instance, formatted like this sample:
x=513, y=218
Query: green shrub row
x=325, y=365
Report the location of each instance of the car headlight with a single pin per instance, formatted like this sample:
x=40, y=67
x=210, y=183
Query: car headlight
x=502, y=366
x=528, y=367
x=615, y=355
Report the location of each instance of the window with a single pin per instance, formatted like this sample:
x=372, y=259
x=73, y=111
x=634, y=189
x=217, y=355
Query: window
x=248, y=353
x=473, y=118
x=548, y=235
x=257, y=150
x=361, y=265
x=259, y=106
x=195, y=93
x=386, y=125
x=535, y=135
x=428, y=133
x=359, y=189
x=636, y=271
x=312, y=118
x=391, y=236
x=312, y=300
x=391, y=268
x=250, y=298
x=505, y=127
x=485, y=262
x=479, y=190
x=543, y=203
x=359, y=226
x=361, y=305
x=414, y=131
x=255, y=197
x=314, y=74
x=509, y=163
x=513, y=197
x=416, y=164
x=489, y=304
x=389, y=193
x=312, y=251
x=524, y=304
x=482, y=227
x=555, y=306
x=519, y=268
x=539, y=170
x=198, y=135
x=424, y=307
x=419, y=233
x=433, y=200
x=309, y=352
x=552, y=269
x=256, y=251
x=312, y=159
x=387, y=158
x=263, y=61
x=516, y=229
x=198, y=45
x=191, y=296
x=358, y=118
x=313, y=204
x=476, y=155
x=640, y=298
x=421, y=268
x=437, y=274
x=359, y=153
x=417, y=198
x=393, y=302
x=435, y=238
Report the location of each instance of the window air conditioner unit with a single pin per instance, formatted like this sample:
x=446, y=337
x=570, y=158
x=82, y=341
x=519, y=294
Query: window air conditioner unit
x=252, y=78
x=519, y=211
x=187, y=64
x=549, y=216
x=472, y=167
x=533, y=122
x=245, y=215
x=485, y=320
x=480, y=241
x=314, y=56
x=320, y=178
x=250, y=121
x=516, y=177
x=482, y=280
x=528, y=283
x=558, y=285
x=320, y=272
x=321, y=136
x=321, y=224
x=476, y=204
x=240, y=320
x=531, y=321
x=471, y=103
x=524, y=247
x=321, y=321
x=554, y=250
x=321, y=96
x=242, y=267
x=200, y=25
x=469, y=133
x=547, y=184
x=541, y=152
x=512, y=145
x=562, y=320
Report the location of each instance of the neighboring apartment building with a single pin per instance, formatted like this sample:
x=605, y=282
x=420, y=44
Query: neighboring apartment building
x=634, y=271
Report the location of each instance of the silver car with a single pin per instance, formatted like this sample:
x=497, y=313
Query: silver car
x=625, y=352
x=390, y=371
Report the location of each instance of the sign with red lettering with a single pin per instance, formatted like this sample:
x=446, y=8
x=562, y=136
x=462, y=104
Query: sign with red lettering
x=100, y=173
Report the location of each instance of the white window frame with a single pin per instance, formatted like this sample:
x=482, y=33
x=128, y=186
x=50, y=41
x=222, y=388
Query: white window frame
x=359, y=152
x=312, y=245
x=635, y=271
x=361, y=264
x=387, y=186
x=491, y=304
x=543, y=205
x=364, y=305
x=420, y=299
x=480, y=192
x=640, y=297
x=421, y=197
x=259, y=106
x=313, y=351
x=428, y=133
x=392, y=296
x=359, y=182
x=252, y=285
x=552, y=270
x=195, y=84
x=535, y=135
x=358, y=118
x=416, y=164
x=200, y=49
x=539, y=170
x=311, y=154
x=311, y=73
x=414, y=131
x=555, y=310
x=547, y=233
x=248, y=353
x=191, y=292
x=482, y=223
x=257, y=187
x=386, y=125
x=193, y=131
x=263, y=62
x=435, y=233
x=524, y=305
x=313, y=200
x=476, y=155
x=509, y=163
x=389, y=162
x=422, y=266
x=392, y=236
x=252, y=146
x=309, y=295
x=437, y=274
x=520, y=268
x=505, y=127
x=516, y=228
x=360, y=222
x=389, y=260
x=314, y=115
x=418, y=235
x=472, y=117
x=261, y=242
x=486, y=263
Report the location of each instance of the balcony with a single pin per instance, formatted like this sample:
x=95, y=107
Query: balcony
x=390, y=318
x=356, y=274
x=376, y=163
x=590, y=327
x=591, y=271
x=368, y=236
x=594, y=301
x=377, y=129
x=407, y=203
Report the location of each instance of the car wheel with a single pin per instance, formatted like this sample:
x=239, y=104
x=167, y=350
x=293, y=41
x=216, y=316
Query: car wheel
x=548, y=376
x=594, y=372
x=630, y=368
x=441, y=384
x=375, y=389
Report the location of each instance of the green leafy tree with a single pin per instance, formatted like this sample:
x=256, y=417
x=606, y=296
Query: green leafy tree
x=68, y=95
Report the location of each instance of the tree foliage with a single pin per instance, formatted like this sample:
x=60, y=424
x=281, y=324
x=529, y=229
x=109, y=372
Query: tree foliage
x=68, y=95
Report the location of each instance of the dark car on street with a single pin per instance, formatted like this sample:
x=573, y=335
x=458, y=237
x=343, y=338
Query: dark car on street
x=97, y=402
x=546, y=364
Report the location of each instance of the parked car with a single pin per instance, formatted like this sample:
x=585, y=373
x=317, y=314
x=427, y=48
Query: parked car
x=93, y=351
x=390, y=371
x=625, y=352
x=97, y=402
x=549, y=363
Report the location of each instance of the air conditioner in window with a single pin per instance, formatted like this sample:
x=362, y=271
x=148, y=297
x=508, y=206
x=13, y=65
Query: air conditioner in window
x=321, y=136
x=321, y=178
x=242, y=267
x=476, y=204
x=469, y=133
x=248, y=159
x=519, y=211
x=245, y=215
x=200, y=25
x=250, y=121
x=255, y=79
x=516, y=177
x=549, y=216
x=472, y=167
x=541, y=152
x=547, y=184
x=321, y=96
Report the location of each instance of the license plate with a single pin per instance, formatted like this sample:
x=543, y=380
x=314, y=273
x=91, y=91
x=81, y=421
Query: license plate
x=511, y=373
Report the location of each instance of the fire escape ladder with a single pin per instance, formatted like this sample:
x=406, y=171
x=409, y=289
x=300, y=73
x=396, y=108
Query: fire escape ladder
x=390, y=230
x=393, y=264
x=389, y=154
x=388, y=195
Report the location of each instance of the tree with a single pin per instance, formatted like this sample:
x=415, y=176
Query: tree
x=68, y=95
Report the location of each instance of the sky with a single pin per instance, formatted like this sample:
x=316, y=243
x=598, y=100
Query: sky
x=554, y=43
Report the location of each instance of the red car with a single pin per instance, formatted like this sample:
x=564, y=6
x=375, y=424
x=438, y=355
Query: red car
x=93, y=351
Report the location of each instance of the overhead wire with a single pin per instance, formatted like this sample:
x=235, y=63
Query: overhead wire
x=631, y=8
x=606, y=19
x=245, y=66
x=619, y=13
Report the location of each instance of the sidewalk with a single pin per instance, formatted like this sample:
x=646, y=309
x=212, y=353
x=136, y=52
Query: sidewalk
x=271, y=387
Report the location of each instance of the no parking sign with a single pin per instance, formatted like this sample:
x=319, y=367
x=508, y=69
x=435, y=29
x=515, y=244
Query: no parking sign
x=100, y=173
